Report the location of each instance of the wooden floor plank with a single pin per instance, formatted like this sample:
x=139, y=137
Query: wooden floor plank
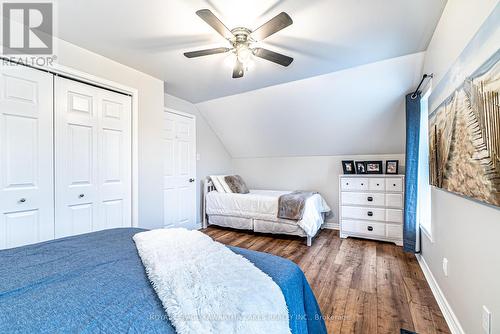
x=361, y=286
x=361, y=307
x=393, y=309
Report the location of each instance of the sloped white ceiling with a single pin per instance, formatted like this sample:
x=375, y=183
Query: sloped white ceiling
x=326, y=36
x=354, y=111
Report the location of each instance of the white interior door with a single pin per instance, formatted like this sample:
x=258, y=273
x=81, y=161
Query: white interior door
x=179, y=171
x=93, y=158
x=26, y=156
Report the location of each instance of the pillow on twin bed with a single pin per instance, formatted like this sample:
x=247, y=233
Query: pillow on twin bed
x=229, y=184
x=236, y=184
x=217, y=184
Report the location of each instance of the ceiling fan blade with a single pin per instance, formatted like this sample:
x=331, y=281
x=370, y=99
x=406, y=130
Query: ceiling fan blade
x=275, y=57
x=206, y=52
x=238, y=70
x=277, y=23
x=212, y=20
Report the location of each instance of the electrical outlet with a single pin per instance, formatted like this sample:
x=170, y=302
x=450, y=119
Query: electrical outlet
x=445, y=267
x=486, y=320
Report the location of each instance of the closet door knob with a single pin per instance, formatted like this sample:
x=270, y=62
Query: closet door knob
x=81, y=195
x=370, y=199
x=370, y=214
x=22, y=200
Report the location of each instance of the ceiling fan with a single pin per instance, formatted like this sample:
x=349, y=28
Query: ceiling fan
x=241, y=40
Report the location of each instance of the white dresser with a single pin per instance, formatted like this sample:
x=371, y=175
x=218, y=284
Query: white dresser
x=371, y=207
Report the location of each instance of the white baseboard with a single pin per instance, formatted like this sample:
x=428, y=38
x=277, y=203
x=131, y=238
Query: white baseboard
x=445, y=307
x=331, y=226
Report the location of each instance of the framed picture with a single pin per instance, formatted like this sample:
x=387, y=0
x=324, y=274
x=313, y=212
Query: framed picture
x=348, y=167
x=391, y=166
x=360, y=167
x=373, y=167
x=464, y=121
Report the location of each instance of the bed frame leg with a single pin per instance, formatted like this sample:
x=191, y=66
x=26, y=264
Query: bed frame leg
x=309, y=241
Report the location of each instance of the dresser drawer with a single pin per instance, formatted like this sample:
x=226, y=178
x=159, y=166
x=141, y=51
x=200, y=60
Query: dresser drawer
x=394, y=231
x=394, y=185
x=363, y=213
x=377, y=184
x=394, y=215
x=354, y=184
x=366, y=199
x=363, y=227
x=394, y=200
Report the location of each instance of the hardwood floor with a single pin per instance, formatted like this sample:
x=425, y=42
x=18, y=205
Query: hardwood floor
x=362, y=286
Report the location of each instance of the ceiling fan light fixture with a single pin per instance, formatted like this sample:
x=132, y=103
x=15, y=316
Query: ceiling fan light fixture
x=244, y=53
x=242, y=39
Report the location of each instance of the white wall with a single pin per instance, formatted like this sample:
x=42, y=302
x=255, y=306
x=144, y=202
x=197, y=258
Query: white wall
x=355, y=111
x=319, y=173
x=214, y=158
x=150, y=120
x=464, y=231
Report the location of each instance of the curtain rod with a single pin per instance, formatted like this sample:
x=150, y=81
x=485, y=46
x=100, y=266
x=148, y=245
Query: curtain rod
x=425, y=76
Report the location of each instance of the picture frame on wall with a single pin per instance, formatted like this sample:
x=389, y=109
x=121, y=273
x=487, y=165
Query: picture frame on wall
x=360, y=167
x=373, y=167
x=392, y=167
x=348, y=167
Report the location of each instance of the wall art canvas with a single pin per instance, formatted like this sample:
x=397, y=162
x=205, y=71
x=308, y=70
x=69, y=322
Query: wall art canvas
x=464, y=125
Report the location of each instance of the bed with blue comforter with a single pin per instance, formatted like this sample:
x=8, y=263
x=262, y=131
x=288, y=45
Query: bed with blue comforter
x=96, y=283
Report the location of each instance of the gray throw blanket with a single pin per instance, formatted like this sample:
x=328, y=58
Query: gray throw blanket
x=291, y=206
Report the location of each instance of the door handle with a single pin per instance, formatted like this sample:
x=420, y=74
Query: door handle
x=191, y=180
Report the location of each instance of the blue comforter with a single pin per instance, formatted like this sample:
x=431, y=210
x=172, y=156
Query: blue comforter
x=96, y=283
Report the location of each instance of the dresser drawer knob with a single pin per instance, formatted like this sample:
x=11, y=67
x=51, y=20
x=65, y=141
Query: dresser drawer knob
x=370, y=199
x=362, y=184
x=370, y=214
x=394, y=184
x=347, y=184
x=370, y=228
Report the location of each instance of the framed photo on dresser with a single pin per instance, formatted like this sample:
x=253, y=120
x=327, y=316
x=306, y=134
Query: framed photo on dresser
x=360, y=167
x=391, y=167
x=348, y=167
x=374, y=167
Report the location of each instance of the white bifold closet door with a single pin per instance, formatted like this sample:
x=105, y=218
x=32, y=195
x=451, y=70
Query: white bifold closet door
x=92, y=158
x=26, y=156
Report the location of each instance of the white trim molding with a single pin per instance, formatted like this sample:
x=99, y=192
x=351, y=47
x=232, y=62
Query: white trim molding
x=180, y=113
x=445, y=307
x=331, y=226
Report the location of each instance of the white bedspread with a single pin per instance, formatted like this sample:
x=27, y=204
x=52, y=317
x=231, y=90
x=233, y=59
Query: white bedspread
x=206, y=288
x=263, y=204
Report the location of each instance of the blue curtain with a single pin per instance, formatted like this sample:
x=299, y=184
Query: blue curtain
x=410, y=228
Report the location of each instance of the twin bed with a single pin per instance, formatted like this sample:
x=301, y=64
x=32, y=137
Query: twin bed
x=258, y=211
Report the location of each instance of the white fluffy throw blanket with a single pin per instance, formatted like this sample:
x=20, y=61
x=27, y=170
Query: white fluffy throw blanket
x=206, y=288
